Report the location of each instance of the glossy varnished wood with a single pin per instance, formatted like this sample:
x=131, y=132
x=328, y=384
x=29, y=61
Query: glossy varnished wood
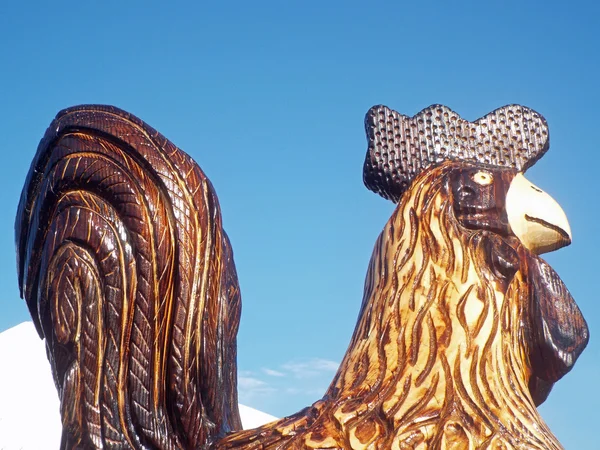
x=130, y=278
x=440, y=357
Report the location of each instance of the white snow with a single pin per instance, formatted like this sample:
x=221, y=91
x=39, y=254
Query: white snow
x=29, y=406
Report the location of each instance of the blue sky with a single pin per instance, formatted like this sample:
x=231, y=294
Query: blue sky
x=269, y=98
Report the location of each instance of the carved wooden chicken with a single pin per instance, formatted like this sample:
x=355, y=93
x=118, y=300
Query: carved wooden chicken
x=463, y=329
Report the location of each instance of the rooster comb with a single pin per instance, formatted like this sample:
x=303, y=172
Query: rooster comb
x=400, y=147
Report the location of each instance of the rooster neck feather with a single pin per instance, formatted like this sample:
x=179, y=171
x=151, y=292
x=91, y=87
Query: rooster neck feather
x=438, y=354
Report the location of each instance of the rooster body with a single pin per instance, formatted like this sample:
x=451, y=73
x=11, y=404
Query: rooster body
x=130, y=279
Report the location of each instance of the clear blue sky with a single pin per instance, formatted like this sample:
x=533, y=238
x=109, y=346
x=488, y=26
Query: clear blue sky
x=269, y=98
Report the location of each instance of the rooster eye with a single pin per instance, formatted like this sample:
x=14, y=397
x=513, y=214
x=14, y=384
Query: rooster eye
x=482, y=178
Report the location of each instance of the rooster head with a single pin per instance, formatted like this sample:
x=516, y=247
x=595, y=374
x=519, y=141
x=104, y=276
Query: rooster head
x=480, y=167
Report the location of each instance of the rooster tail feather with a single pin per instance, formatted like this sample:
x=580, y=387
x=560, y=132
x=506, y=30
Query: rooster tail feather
x=129, y=277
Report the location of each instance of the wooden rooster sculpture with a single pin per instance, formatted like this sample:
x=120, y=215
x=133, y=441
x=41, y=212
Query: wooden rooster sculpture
x=462, y=332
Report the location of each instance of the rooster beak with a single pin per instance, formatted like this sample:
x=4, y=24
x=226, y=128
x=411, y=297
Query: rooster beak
x=535, y=217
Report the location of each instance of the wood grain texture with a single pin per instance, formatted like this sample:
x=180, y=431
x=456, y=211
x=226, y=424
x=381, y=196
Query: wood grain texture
x=130, y=278
x=439, y=358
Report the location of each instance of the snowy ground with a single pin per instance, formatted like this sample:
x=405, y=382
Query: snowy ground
x=29, y=407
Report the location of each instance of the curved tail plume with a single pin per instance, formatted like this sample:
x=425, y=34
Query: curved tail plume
x=130, y=278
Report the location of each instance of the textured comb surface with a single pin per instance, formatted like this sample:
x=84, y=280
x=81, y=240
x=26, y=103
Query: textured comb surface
x=399, y=147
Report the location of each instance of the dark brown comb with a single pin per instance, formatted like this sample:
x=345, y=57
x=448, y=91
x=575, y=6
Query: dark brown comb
x=400, y=147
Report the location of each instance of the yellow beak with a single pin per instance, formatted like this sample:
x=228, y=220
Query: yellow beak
x=535, y=217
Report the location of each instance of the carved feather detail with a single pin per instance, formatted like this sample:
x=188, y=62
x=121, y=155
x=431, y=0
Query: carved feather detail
x=130, y=279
